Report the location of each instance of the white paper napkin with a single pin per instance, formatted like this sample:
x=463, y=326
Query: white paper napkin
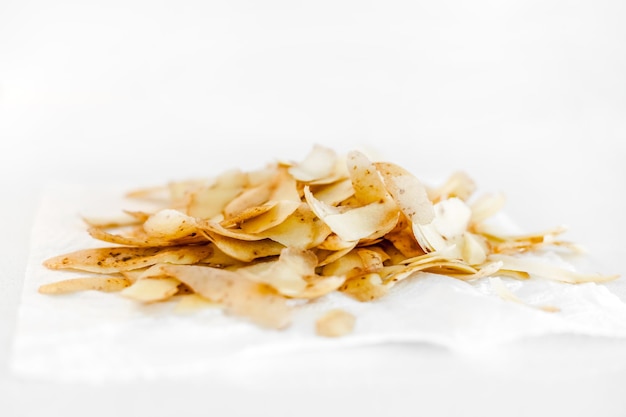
x=93, y=336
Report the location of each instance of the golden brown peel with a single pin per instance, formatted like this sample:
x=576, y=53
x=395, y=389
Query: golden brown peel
x=248, y=242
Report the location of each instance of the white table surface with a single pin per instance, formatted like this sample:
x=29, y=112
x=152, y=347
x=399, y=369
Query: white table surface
x=529, y=98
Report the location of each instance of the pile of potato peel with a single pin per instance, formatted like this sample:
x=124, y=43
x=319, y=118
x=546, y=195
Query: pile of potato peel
x=251, y=242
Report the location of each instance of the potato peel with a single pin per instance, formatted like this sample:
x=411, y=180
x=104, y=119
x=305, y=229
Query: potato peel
x=117, y=259
x=541, y=269
x=104, y=284
x=255, y=244
x=150, y=290
x=335, y=323
x=353, y=224
x=239, y=296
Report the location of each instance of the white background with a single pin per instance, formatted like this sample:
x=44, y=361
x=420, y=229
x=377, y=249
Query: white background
x=528, y=97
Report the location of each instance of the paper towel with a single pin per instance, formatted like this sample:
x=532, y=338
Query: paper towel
x=92, y=336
